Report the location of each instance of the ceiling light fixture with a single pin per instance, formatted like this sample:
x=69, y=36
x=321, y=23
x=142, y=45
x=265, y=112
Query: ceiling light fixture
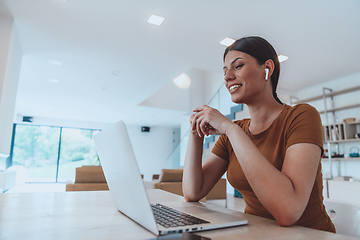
x=156, y=20
x=56, y=62
x=227, y=41
x=282, y=58
x=116, y=73
x=61, y=1
x=182, y=81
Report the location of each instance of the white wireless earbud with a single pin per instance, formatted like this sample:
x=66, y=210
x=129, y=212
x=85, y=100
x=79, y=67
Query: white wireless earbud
x=266, y=73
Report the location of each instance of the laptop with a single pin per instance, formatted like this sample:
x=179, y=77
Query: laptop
x=127, y=189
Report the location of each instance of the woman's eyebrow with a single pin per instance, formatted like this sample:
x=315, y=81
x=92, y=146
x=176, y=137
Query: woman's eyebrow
x=233, y=62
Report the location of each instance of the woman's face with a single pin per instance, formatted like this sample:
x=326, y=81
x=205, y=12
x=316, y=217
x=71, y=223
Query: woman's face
x=244, y=77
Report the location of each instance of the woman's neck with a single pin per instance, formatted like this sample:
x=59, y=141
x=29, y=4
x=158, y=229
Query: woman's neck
x=263, y=113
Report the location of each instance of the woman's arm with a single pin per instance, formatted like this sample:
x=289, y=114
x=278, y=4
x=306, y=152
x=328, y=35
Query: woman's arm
x=198, y=180
x=283, y=193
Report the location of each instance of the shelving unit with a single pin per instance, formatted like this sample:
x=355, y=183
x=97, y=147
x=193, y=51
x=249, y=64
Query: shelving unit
x=343, y=159
x=345, y=141
x=334, y=93
x=336, y=133
x=340, y=108
x=341, y=132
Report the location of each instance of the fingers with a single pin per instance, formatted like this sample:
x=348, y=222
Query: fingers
x=199, y=122
x=203, y=127
x=193, y=122
x=198, y=128
x=198, y=109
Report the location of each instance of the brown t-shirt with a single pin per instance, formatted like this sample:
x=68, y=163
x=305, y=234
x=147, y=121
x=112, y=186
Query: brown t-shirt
x=298, y=124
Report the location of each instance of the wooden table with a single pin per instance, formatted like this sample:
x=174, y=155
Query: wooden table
x=92, y=215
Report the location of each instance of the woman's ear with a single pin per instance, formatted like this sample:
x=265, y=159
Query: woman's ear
x=269, y=68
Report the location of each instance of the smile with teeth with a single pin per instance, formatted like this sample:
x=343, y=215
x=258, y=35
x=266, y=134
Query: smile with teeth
x=235, y=86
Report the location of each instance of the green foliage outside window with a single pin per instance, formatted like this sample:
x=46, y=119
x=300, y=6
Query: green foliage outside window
x=36, y=148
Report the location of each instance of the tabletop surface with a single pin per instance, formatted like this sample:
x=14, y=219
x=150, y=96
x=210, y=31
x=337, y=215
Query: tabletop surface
x=92, y=215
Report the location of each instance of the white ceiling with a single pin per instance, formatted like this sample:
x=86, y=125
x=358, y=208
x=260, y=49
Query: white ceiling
x=113, y=60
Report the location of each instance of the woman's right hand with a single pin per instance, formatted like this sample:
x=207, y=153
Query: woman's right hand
x=194, y=132
x=208, y=128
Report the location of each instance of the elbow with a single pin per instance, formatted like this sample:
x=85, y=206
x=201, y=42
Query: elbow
x=190, y=195
x=285, y=221
x=287, y=218
x=191, y=198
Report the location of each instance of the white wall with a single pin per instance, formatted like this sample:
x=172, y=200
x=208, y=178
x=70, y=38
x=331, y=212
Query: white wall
x=180, y=99
x=10, y=64
x=153, y=149
x=37, y=120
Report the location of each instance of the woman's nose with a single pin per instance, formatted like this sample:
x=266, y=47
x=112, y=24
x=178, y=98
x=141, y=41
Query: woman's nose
x=229, y=75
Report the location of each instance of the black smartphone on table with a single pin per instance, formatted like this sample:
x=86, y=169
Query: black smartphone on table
x=181, y=236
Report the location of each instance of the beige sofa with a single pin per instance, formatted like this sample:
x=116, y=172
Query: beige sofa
x=88, y=178
x=91, y=178
x=171, y=181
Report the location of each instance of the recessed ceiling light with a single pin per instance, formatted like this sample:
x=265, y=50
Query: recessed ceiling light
x=55, y=62
x=156, y=20
x=282, y=58
x=182, y=81
x=227, y=41
x=116, y=73
x=61, y=1
x=53, y=80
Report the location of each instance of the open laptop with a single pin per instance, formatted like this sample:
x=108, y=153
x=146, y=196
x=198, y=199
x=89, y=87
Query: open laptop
x=127, y=188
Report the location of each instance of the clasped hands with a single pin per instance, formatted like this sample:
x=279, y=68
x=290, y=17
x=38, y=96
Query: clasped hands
x=206, y=121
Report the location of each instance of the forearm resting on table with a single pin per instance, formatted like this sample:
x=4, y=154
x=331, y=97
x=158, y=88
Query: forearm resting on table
x=274, y=189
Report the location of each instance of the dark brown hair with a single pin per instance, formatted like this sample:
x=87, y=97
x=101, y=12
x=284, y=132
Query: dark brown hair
x=261, y=50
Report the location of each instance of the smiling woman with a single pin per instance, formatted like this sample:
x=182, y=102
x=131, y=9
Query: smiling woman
x=272, y=158
x=251, y=50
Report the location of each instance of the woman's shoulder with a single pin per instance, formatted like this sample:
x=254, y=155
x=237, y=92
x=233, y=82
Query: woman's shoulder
x=303, y=106
x=300, y=109
x=301, y=113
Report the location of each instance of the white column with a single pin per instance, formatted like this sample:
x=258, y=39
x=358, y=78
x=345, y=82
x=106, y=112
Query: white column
x=10, y=64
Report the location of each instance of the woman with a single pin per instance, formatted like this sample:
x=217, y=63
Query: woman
x=273, y=158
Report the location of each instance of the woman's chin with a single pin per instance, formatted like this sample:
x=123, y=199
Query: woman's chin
x=237, y=99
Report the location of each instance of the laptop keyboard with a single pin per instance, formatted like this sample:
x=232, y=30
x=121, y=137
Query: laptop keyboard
x=168, y=217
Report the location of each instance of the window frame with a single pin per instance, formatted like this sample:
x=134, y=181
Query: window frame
x=9, y=161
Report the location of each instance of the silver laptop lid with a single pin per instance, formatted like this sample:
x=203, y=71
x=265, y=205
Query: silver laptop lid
x=123, y=176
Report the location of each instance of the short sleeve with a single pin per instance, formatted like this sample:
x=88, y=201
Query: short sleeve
x=220, y=148
x=305, y=127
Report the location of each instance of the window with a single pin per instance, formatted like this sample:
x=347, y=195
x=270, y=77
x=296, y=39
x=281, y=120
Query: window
x=36, y=149
x=77, y=149
x=51, y=154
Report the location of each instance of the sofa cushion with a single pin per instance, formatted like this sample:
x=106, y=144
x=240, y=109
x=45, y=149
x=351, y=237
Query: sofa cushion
x=87, y=187
x=171, y=175
x=89, y=174
x=173, y=187
x=217, y=192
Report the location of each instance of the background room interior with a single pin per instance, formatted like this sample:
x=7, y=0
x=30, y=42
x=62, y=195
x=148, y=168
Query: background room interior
x=68, y=68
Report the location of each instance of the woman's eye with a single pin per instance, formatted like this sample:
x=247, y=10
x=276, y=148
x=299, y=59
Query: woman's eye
x=239, y=66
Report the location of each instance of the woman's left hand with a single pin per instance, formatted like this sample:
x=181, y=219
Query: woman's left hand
x=208, y=121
